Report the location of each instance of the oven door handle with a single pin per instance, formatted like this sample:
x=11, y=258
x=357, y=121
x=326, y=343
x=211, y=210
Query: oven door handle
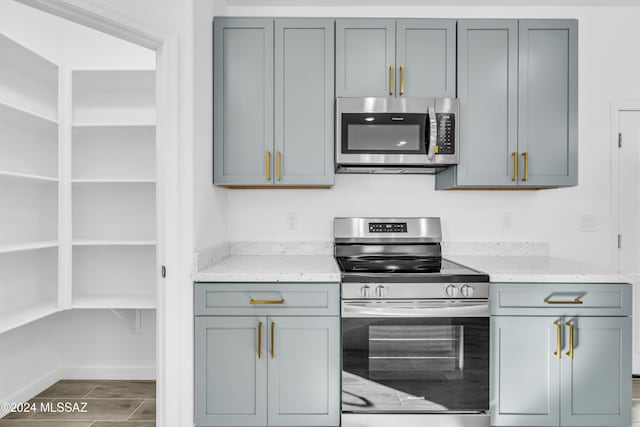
x=385, y=309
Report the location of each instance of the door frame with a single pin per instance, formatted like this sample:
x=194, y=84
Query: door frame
x=616, y=108
x=173, y=233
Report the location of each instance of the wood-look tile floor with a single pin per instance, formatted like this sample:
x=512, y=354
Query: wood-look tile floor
x=89, y=403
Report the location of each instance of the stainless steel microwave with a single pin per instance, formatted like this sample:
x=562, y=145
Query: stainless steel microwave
x=396, y=135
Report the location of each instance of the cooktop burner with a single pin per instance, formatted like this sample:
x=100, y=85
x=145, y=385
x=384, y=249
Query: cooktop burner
x=396, y=250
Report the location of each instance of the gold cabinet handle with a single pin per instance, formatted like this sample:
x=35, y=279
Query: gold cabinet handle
x=268, y=166
x=526, y=166
x=515, y=165
x=572, y=302
x=402, y=79
x=572, y=329
x=278, y=162
x=273, y=340
x=263, y=301
x=391, y=82
x=558, y=353
x=259, y=340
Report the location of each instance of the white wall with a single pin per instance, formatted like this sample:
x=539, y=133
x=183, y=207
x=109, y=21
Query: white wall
x=608, y=71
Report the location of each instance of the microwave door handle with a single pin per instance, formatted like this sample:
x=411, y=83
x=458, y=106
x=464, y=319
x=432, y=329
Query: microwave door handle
x=433, y=134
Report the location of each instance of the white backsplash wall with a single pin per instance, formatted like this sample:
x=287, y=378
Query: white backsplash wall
x=607, y=72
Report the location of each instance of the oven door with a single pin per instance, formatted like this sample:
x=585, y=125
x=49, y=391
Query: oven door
x=415, y=356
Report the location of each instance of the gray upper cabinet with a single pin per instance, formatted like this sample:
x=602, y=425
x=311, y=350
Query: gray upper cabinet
x=488, y=92
x=273, y=101
x=517, y=84
x=548, y=102
x=243, y=100
x=304, y=98
x=365, y=57
x=389, y=57
x=426, y=58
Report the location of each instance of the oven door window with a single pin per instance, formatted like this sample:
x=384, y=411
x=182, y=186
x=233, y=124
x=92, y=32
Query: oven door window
x=415, y=365
x=383, y=133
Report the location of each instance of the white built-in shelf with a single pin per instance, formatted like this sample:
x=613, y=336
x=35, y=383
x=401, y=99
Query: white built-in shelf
x=113, y=181
x=19, y=116
x=113, y=242
x=114, y=212
x=21, y=316
x=21, y=247
x=122, y=97
x=27, y=80
x=115, y=302
x=28, y=176
x=119, y=153
x=105, y=126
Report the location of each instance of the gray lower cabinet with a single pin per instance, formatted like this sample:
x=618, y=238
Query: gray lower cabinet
x=273, y=91
x=267, y=368
x=566, y=361
x=304, y=371
x=231, y=377
x=395, y=57
x=518, y=91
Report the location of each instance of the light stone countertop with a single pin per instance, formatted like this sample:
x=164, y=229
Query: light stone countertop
x=313, y=262
x=271, y=268
x=528, y=269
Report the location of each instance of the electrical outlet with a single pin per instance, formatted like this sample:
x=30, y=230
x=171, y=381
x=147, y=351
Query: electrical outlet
x=506, y=221
x=588, y=223
x=291, y=220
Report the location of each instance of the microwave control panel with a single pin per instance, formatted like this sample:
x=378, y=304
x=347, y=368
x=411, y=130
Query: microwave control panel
x=446, y=133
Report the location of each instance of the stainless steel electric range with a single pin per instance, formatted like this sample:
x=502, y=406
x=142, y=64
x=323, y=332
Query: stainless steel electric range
x=415, y=327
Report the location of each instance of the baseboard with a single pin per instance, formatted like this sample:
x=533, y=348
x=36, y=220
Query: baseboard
x=108, y=373
x=27, y=392
x=87, y=373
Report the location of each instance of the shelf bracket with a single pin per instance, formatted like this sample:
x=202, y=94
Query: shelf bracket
x=132, y=318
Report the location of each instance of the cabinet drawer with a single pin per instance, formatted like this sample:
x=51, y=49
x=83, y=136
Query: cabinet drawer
x=560, y=299
x=257, y=299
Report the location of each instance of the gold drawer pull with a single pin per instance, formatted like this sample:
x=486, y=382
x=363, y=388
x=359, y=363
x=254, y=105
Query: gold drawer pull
x=558, y=353
x=268, y=166
x=573, y=302
x=515, y=166
x=572, y=329
x=259, y=340
x=263, y=302
x=526, y=166
x=391, y=80
x=273, y=340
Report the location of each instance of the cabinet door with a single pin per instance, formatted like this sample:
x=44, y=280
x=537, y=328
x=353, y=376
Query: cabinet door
x=304, y=98
x=596, y=383
x=488, y=92
x=524, y=372
x=230, y=374
x=304, y=371
x=548, y=101
x=365, y=49
x=427, y=50
x=242, y=100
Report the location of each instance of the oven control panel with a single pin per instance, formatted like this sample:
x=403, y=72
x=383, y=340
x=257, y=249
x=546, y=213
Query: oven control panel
x=387, y=227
